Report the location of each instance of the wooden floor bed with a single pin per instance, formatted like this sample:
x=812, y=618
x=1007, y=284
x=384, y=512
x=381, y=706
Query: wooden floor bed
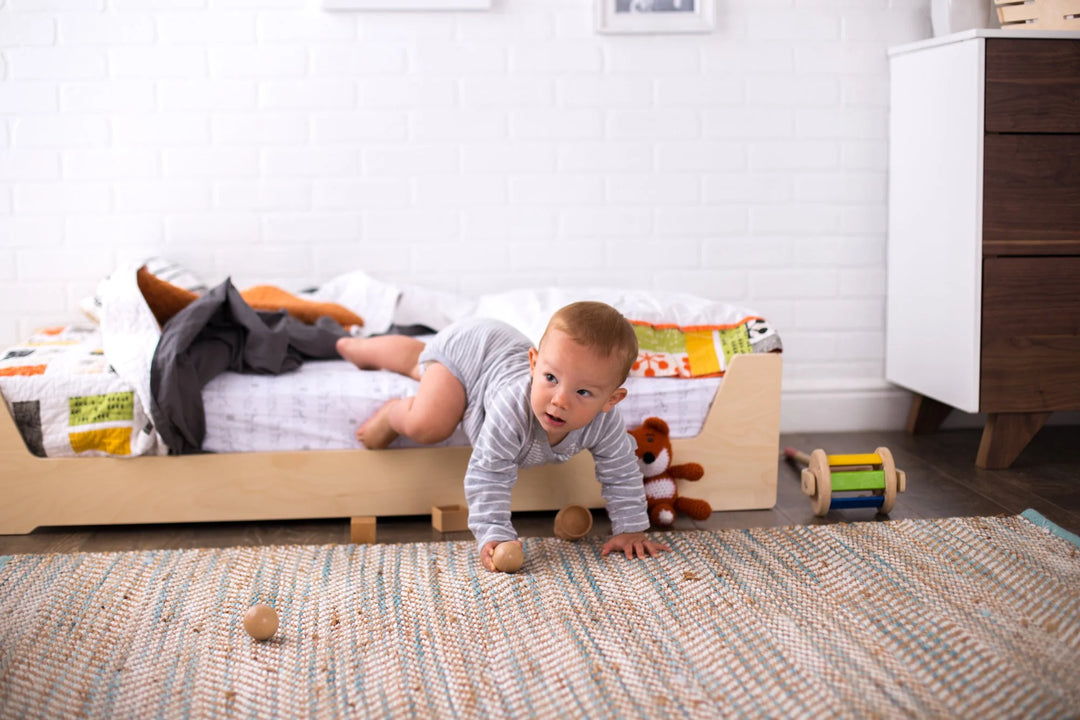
x=738, y=446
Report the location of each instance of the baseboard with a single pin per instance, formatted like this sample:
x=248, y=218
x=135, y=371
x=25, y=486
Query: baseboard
x=866, y=406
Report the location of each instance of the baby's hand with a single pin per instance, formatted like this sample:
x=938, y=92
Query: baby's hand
x=633, y=545
x=487, y=554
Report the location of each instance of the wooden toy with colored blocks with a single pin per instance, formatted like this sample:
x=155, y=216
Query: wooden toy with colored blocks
x=826, y=475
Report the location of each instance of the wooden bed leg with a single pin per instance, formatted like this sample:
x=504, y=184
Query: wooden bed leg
x=926, y=415
x=1005, y=436
x=362, y=530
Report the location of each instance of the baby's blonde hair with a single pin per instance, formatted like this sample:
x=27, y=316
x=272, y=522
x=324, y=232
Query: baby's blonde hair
x=601, y=328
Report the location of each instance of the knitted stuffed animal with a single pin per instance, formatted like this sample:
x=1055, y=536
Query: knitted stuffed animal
x=661, y=489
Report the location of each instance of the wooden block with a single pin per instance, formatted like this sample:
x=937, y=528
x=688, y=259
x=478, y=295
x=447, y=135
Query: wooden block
x=450, y=518
x=837, y=461
x=362, y=530
x=852, y=481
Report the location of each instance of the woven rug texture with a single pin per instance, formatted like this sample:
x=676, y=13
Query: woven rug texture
x=961, y=617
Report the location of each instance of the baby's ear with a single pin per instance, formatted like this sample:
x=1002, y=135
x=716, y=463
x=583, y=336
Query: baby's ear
x=533, y=354
x=616, y=397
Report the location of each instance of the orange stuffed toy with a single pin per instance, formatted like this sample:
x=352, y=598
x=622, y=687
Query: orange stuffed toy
x=661, y=487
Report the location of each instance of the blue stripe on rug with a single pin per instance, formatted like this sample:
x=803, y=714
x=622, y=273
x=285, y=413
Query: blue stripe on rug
x=4, y=560
x=1037, y=518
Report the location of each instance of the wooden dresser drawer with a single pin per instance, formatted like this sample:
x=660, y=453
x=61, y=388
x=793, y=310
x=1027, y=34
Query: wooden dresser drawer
x=1031, y=188
x=1032, y=85
x=1030, y=334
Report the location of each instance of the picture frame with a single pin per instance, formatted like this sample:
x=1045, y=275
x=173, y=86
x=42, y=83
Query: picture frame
x=655, y=16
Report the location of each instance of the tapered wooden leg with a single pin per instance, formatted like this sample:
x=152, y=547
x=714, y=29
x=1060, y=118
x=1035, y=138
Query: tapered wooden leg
x=926, y=415
x=1005, y=436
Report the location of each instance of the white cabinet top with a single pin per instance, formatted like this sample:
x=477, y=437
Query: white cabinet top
x=985, y=33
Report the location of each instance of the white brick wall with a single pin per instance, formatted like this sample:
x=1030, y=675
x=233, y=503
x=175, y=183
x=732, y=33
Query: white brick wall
x=474, y=151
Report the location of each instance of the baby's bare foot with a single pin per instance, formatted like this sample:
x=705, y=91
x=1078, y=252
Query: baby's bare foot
x=376, y=433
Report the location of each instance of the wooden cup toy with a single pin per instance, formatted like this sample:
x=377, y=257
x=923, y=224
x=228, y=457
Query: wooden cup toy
x=828, y=474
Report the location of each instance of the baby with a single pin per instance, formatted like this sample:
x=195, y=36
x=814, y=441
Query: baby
x=520, y=406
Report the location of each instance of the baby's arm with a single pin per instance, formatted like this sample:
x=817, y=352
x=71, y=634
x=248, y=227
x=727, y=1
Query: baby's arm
x=489, y=480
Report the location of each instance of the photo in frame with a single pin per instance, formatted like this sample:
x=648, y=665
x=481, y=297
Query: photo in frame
x=655, y=16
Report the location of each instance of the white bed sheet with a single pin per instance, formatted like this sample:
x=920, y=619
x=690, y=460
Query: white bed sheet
x=320, y=405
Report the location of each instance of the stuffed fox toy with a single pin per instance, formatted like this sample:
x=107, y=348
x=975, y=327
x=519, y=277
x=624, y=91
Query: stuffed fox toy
x=661, y=486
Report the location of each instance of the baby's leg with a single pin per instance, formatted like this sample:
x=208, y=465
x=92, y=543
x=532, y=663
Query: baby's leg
x=397, y=353
x=428, y=417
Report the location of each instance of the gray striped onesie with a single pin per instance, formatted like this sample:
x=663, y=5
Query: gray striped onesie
x=491, y=359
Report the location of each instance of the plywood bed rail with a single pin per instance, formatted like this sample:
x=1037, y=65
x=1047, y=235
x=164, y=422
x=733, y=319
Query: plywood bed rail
x=738, y=446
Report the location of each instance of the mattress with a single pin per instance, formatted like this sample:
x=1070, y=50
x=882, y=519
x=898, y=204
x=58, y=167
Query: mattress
x=68, y=401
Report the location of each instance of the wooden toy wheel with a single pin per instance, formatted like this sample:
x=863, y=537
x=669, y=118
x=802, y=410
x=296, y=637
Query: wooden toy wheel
x=822, y=497
x=892, y=482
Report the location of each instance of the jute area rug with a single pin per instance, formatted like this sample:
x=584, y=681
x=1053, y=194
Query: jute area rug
x=975, y=617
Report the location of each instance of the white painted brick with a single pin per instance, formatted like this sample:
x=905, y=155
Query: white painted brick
x=653, y=190
x=840, y=251
x=860, y=345
x=449, y=191
x=659, y=123
x=681, y=58
x=840, y=314
x=157, y=62
x=27, y=30
x=794, y=219
x=33, y=231
x=25, y=165
x=450, y=257
x=508, y=92
x=216, y=95
x=864, y=90
x=748, y=123
x=406, y=93
x=794, y=155
x=701, y=221
x=793, y=90
x=864, y=155
x=556, y=255
x=893, y=27
x=109, y=163
x=814, y=347
x=604, y=156
x=186, y=28
x=161, y=196
x=842, y=123
x=747, y=58
x=437, y=58
x=603, y=91
x=330, y=260
x=748, y=188
x=505, y=27
x=560, y=189
x=153, y=129
x=305, y=27
x=213, y=230
x=142, y=230
x=699, y=90
x=62, y=197
x=309, y=162
x=412, y=159
x=45, y=264
x=310, y=228
x=742, y=251
x=307, y=94
x=108, y=29
x=798, y=25
x=260, y=267
x=457, y=125
x=867, y=282
x=406, y=27
x=108, y=96
x=795, y=284
x=27, y=97
x=259, y=128
x=381, y=226
x=598, y=222
x=277, y=61
x=54, y=63
x=849, y=57
x=649, y=254
x=556, y=124
x=847, y=188
x=361, y=193
x=141, y=5
x=700, y=155
x=261, y=195
x=356, y=127
x=723, y=286
x=40, y=303
x=864, y=218
x=359, y=60
x=555, y=58
x=515, y=221
x=513, y=157
x=210, y=162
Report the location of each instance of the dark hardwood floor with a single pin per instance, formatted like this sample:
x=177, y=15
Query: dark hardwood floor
x=942, y=481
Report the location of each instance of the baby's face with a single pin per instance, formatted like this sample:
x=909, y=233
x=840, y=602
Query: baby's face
x=570, y=384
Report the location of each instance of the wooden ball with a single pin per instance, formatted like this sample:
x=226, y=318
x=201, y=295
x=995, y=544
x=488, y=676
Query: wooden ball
x=508, y=557
x=261, y=622
x=573, y=522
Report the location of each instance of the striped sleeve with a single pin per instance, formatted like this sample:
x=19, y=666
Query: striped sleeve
x=492, y=473
x=617, y=470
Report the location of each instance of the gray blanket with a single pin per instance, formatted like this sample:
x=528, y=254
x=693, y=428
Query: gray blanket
x=219, y=332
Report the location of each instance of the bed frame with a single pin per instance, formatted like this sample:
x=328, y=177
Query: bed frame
x=738, y=446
